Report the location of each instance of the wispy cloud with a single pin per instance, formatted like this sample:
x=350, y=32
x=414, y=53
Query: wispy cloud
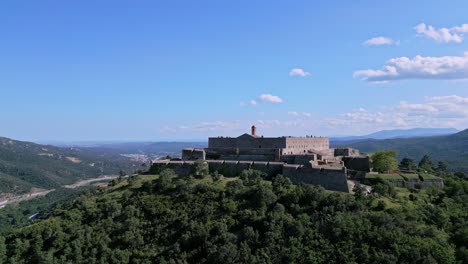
x=431, y=111
x=379, y=41
x=435, y=111
x=454, y=34
x=419, y=67
x=253, y=102
x=299, y=72
x=269, y=98
x=295, y=113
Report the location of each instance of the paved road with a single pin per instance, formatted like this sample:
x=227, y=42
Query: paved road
x=29, y=196
x=24, y=197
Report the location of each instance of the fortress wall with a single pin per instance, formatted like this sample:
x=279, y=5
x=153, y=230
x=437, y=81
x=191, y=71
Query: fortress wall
x=248, y=157
x=239, y=151
x=222, y=142
x=261, y=143
x=357, y=163
x=350, y=152
x=317, y=143
x=230, y=168
x=180, y=167
x=437, y=182
x=241, y=154
x=247, y=142
x=193, y=154
x=288, y=159
x=394, y=182
x=303, y=159
x=331, y=179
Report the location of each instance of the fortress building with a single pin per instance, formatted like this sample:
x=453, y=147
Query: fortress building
x=254, y=147
x=306, y=159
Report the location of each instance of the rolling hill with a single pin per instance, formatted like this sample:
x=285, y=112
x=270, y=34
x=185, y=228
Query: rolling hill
x=24, y=165
x=452, y=149
x=398, y=133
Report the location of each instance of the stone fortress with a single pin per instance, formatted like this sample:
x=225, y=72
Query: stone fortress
x=306, y=159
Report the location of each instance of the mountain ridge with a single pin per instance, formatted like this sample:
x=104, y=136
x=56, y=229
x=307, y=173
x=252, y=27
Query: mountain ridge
x=399, y=133
x=24, y=165
x=452, y=149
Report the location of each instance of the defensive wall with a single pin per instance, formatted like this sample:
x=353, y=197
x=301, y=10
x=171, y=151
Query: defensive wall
x=330, y=178
x=412, y=181
x=357, y=163
x=193, y=154
x=287, y=145
x=348, y=152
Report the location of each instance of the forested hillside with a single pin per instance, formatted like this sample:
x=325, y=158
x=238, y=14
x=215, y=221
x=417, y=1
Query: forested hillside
x=452, y=149
x=248, y=219
x=24, y=165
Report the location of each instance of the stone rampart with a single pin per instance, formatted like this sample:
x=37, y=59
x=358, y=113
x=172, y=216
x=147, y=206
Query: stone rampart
x=357, y=163
x=193, y=154
x=331, y=179
x=349, y=152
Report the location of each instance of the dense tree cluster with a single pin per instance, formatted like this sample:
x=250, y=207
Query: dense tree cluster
x=384, y=161
x=425, y=165
x=245, y=220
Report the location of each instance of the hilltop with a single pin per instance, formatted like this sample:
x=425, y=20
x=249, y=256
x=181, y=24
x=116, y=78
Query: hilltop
x=26, y=165
x=452, y=149
x=246, y=219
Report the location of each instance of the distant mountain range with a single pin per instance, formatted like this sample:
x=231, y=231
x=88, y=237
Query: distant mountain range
x=452, y=149
x=24, y=165
x=399, y=133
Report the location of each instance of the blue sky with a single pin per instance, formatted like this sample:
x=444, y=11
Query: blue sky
x=175, y=70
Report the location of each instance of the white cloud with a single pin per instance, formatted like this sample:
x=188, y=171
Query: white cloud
x=269, y=98
x=378, y=41
x=251, y=102
x=293, y=113
x=454, y=34
x=419, y=67
x=437, y=111
x=298, y=72
x=306, y=114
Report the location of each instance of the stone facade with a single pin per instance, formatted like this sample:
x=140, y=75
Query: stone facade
x=329, y=178
x=302, y=159
x=193, y=154
x=282, y=145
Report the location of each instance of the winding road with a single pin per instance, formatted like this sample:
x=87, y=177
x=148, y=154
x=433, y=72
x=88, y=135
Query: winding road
x=32, y=195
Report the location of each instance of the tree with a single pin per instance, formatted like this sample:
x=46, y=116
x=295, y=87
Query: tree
x=442, y=167
x=3, y=250
x=165, y=180
x=426, y=164
x=384, y=161
x=407, y=164
x=201, y=168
